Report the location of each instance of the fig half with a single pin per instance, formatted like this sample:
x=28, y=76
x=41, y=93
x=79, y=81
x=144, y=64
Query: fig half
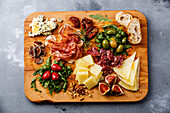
x=103, y=88
x=111, y=79
x=116, y=90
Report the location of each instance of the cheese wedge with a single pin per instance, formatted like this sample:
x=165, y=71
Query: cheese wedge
x=95, y=69
x=81, y=69
x=124, y=70
x=88, y=59
x=90, y=82
x=135, y=86
x=82, y=76
x=80, y=63
x=133, y=72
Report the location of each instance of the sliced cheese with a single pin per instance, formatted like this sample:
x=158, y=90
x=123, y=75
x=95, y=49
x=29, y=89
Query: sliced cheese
x=95, y=69
x=135, y=86
x=133, y=72
x=82, y=76
x=90, y=82
x=124, y=69
x=81, y=69
x=80, y=63
x=97, y=78
x=76, y=62
x=88, y=59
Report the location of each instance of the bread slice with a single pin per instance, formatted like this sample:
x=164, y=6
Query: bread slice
x=123, y=18
x=134, y=30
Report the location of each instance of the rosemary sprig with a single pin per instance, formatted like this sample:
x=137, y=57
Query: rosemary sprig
x=100, y=18
x=83, y=37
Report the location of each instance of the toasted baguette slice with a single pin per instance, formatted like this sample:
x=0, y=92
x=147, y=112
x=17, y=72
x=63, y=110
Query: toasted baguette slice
x=123, y=18
x=134, y=30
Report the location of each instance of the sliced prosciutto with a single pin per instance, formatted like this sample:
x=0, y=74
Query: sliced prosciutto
x=69, y=47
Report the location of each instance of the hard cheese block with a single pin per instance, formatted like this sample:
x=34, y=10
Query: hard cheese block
x=95, y=69
x=90, y=82
x=80, y=63
x=135, y=86
x=81, y=69
x=82, y=76
x=124, y=69
x=97, y=78
x=88, y=59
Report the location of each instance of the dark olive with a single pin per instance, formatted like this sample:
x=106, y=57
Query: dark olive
x=105, y=44
x=123, y=33
x=111, y=32
x=124, y=40
x=119, y=48
x=113, y=43
x=118, y=35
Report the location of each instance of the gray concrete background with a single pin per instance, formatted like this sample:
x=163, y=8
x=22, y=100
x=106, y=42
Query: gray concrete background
x=12, y=16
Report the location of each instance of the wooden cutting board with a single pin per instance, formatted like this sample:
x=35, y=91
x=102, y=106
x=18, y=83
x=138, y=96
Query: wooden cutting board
x=30, y=66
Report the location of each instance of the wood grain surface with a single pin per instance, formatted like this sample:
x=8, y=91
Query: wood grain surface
x=30, y=66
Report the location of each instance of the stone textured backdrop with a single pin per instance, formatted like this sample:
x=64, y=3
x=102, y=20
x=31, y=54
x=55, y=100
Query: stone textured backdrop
x=12, y=16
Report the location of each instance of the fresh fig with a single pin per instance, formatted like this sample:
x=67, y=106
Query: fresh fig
x=116, y=90
x=103, y=88
x=111, y=79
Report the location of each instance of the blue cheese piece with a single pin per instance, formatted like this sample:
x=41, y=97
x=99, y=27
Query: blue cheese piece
x=43, y=26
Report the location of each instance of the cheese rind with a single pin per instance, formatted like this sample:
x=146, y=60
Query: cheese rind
x=124, y=69
x=90, y=82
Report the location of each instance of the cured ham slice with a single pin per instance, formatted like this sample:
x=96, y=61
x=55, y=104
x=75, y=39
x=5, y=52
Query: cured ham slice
x=69, y=47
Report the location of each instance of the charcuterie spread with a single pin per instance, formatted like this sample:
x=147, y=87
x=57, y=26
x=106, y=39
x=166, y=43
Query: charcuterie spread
x=85, y=58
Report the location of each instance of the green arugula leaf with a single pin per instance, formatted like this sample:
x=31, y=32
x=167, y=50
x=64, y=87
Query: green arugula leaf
x=36, y=72
x=100, y=18
x=33, y=85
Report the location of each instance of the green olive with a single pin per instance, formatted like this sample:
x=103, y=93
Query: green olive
x=119, y=48
x=111, y=32
x=105, y=44
x=123, y=33
x=118, y=35
x=113, y=43
x=124, y=40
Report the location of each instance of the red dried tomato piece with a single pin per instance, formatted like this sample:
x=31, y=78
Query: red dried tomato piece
x=75, y=21
x=86, y=23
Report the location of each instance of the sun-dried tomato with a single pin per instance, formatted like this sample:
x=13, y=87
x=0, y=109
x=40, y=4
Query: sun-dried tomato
x=75, y=21
x=87, y=25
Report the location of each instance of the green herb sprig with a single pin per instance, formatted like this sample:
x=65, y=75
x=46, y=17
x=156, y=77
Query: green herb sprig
x=100, y=18
x=83, y=37
x=33, y=85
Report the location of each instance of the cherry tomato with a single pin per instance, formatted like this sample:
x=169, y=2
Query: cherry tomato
x=55, y=76
x=56, y=67
x=46, y=75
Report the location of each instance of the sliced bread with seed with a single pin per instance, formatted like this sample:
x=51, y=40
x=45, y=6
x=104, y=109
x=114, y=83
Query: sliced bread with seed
x=134, y=31
x=123, y=18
